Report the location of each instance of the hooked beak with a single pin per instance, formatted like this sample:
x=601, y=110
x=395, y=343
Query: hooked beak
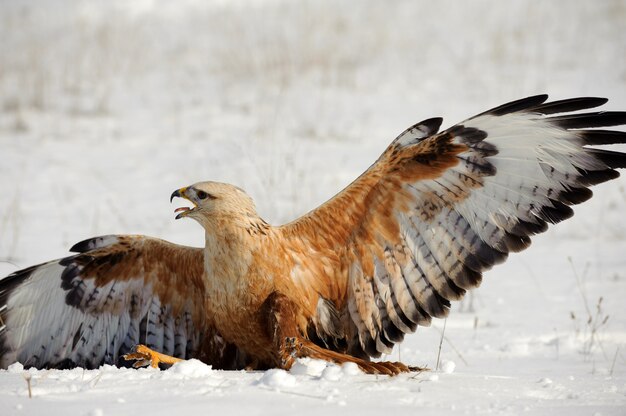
x=175, y=194
x=182, y=211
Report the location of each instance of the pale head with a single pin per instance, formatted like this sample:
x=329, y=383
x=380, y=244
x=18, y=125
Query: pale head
x=214, y=200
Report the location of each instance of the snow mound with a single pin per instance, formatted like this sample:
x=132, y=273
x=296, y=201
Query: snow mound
x=15, y=368
x=332, y=373
x=351, y=369
x=323, y=369
x=190, y=369
x=308, y=367
x=447, y=366
x=277, y=379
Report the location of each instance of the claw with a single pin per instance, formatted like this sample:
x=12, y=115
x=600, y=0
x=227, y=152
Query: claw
x=145, y=356
x=141, y=360
x=289, y=351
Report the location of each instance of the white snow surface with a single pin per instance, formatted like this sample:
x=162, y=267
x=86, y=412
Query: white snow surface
x=106, y=107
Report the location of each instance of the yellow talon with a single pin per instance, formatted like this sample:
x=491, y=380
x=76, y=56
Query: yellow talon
x=144, y=356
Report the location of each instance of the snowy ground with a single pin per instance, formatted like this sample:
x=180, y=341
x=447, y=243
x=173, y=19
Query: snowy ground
x=105, y=109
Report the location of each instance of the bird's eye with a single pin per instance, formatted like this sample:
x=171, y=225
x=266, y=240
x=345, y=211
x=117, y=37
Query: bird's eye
x=202, y=195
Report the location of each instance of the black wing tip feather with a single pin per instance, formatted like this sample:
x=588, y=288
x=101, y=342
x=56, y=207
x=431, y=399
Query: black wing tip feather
x=570, y=104
x=594, y=177
x=420, y=131
x=369, y=345
x=81, y=246
x=517, y=105
x=538, y=104
x=586, y=120
x=556, y=213
x=527, y=228
x=392, y=333
x=599, y=137
x=94, y=243
x=574, y=196
x=431, y=124
x=613, y=160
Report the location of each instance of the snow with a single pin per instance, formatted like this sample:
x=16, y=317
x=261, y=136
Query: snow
x=447, y=366
x=106, y=107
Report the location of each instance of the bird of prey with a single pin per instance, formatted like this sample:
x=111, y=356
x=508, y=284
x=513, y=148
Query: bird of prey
x=343, y=283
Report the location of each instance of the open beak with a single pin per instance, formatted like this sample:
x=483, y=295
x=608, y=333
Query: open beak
x=182, y=211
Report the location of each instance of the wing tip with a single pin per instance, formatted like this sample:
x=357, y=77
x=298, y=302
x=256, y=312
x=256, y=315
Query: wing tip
x=94, y=243
x=517, y=105
x=590, y=120
x=600, y=137
x=432, y=125
x=419, y=131
x=537, y=104
x=569, y=104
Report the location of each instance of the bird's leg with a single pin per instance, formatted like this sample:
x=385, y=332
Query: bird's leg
x=282, y=327
x=280, y=314
x=298, y=348
x=145, y=356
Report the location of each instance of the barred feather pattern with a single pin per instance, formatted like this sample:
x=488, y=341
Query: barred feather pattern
x=518, y=170
x=83, y=311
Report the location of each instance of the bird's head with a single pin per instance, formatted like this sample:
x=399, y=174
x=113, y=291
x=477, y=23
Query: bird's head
x=214, y=200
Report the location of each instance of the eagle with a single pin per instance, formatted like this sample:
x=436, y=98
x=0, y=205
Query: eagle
x=343, y=283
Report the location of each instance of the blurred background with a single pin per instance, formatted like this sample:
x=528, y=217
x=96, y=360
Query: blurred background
x=106, y=107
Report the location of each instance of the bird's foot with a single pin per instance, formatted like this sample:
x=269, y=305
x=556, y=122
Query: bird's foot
x=145, y=356
x=294, y=347
x=393, y=368
x=289, y=351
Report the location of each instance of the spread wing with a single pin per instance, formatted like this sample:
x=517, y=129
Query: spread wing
x=91, y=308
x=436, y=210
